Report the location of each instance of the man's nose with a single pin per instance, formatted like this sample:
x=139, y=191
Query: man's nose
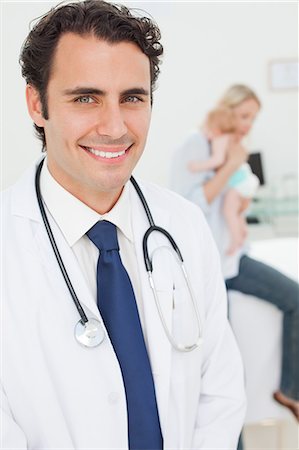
x=111, y=121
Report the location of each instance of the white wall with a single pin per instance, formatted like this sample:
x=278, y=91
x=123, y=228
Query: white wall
x=208, y=46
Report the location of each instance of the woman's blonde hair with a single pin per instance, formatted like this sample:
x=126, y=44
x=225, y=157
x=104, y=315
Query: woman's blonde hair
x=237, y=94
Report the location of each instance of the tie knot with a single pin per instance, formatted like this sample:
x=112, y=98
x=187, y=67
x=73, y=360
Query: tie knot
x=103, y=235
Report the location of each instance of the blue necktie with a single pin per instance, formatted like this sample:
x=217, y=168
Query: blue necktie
x=117, y=304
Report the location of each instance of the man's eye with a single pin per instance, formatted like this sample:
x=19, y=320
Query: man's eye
x=84, y=99
x=132, y=99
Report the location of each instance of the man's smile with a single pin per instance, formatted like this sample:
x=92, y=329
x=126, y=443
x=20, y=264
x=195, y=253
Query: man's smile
x=105, y=153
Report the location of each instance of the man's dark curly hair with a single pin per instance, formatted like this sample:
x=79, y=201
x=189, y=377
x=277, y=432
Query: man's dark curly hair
x=110, y=22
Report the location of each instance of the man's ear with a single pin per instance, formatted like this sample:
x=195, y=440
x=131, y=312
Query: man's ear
x=34, y=106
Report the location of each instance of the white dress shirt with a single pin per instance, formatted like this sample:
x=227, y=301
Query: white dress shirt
x=74, y=219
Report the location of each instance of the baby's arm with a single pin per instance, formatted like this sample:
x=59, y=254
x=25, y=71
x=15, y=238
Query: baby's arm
x=219, y=148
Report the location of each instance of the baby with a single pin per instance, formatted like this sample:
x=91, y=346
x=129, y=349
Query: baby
x=219, y=130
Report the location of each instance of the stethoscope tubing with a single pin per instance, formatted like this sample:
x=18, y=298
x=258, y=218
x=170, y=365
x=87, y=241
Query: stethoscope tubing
x=152, y=228
x=54, y=245
x=149, y=267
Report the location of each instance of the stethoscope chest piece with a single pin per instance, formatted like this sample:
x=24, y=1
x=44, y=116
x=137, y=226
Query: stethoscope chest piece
x=90, y=334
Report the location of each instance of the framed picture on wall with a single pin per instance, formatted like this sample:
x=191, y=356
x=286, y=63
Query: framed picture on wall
x=284, y=74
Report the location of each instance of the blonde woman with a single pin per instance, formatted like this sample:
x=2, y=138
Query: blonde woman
x=219, y=129
x=207, y=189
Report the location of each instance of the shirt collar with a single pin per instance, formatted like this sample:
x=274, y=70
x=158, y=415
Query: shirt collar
x=73, y=217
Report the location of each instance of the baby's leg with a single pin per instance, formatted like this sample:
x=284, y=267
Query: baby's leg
x=234, y=219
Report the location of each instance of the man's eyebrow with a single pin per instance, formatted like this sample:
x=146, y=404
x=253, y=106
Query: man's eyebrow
x=135, y=91
x=83, y=91
x=95, y=91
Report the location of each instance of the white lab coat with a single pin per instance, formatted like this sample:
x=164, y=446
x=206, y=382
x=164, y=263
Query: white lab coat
x=57, y=394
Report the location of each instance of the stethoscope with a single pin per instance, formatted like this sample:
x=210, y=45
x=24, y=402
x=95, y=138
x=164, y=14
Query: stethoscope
x=90, y=332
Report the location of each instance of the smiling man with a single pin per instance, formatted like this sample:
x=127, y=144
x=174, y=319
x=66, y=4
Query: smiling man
x=122, y=366
x=99, y=107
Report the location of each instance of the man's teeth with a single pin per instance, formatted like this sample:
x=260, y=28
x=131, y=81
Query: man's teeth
x=105, y=154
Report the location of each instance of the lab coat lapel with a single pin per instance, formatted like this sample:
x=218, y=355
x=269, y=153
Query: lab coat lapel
x=158, y=346
x=24, y=204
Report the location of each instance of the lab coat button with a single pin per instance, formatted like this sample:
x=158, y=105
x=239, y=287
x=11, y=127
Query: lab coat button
x=113, y=398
